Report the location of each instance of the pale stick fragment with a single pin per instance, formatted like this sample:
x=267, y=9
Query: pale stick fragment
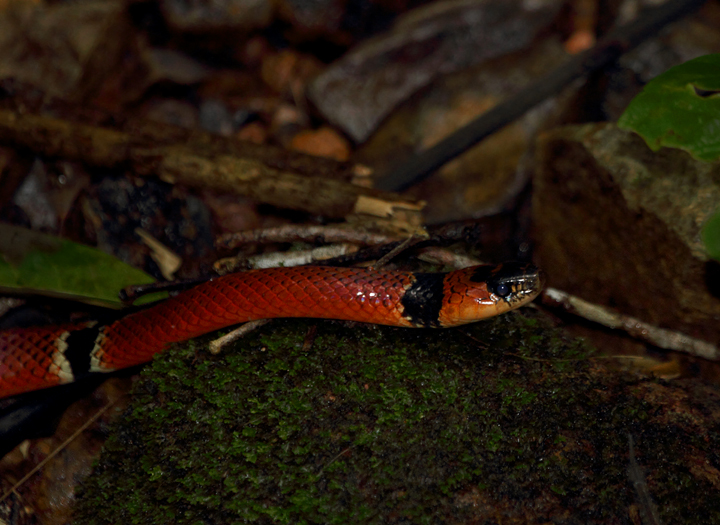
x=646, y=505
x=300, y=257
x=397, y=216
x=362, y=175
x=660, y=337
x=380, y=207
x=282, y=259
x=168, y=261
x=218, y=344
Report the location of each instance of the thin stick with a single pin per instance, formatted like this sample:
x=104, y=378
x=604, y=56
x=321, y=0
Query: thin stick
x=295, y=232
x=660, y=337
x=62, y=446
x=221, y=342
x=404, y=245
x=283, y=259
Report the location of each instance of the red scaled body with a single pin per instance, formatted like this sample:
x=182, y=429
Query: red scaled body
x=354, y=294
x=33, y=358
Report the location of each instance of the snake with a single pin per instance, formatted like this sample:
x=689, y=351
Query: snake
x=34, y=358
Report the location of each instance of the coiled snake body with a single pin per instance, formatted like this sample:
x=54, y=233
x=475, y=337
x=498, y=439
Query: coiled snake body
x=35, y=358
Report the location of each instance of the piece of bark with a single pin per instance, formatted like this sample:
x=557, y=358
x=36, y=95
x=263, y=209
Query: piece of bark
x=23, y=99
x=283, y=259
x=330, y=198
x=199, y=161
x=363, y=87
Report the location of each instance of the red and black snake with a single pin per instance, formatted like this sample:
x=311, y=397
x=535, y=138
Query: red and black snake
x=35, y=358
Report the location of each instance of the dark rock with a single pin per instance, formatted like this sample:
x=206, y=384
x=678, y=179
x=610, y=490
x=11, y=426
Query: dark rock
x=619, y=225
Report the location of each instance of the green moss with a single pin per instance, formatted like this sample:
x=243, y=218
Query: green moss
x=503, y=420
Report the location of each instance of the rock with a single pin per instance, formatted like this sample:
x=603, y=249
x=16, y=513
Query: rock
x=288, y=71
x=619, y=225
x=173, y=66
x=254, y=132
x=323, y=142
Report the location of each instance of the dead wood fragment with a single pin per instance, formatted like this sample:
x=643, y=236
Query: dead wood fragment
x=216, y=345
x=282, y=259
x=187, y=165
x=53, y=137
x=660, y=337
x=267, y=154
x=400, y=218
x=24, y=99
x=175, y=164
x=168, y=261
x=302, y=233
x=488, y=231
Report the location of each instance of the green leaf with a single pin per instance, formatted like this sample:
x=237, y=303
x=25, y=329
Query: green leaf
x=711, y=236
x=681, y=109
x=32, y=262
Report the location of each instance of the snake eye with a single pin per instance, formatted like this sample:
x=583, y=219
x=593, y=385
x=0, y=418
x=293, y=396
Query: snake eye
x=502, y=290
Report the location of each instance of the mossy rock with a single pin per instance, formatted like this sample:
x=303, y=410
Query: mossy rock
x=503, y=421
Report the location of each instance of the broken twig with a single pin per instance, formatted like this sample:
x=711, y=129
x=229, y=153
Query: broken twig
x=660, y=337
x=302, y=233
x=189, y=164
x=218, y=344
x=282, y=259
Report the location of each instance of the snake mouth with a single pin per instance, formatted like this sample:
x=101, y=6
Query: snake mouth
x=515, y=282
x=534, y=284
x=533, y=281
x=541, y=280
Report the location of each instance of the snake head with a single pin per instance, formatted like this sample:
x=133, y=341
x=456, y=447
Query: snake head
x=480, y=292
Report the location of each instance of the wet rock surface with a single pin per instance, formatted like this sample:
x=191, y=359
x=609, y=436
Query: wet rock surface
x=506, y=421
